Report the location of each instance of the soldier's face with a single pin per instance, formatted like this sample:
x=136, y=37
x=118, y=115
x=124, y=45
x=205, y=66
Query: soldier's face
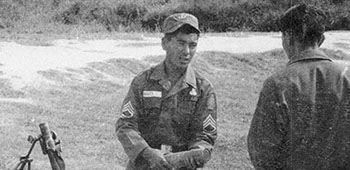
x=180, y=49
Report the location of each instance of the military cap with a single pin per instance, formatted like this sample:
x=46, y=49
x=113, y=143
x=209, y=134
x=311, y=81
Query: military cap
x=175, y=21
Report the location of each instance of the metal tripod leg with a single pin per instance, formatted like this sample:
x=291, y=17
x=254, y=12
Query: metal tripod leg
x=22, y=164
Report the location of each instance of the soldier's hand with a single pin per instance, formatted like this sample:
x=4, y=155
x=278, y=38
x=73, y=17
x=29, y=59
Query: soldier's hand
x=191, y=159
x=155, y=159
x=201, y=156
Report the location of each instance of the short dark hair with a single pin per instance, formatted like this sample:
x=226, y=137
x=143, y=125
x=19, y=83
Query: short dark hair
x=186, y=29
x=306, y=22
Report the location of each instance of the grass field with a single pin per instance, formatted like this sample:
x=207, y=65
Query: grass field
x=82, y=105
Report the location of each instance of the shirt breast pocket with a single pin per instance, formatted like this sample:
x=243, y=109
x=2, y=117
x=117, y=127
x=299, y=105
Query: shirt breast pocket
x=187, y=105
x=184, y=112
x=152, y=106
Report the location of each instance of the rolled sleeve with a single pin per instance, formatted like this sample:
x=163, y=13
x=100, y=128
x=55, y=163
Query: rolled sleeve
x=204, y=124
x=127, y=127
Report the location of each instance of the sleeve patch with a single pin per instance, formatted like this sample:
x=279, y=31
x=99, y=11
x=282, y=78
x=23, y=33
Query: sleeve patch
x=127, y=110
x=211, y=102
x=209, y=124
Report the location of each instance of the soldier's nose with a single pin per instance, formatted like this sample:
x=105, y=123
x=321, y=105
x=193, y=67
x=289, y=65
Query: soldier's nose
x=186, y=50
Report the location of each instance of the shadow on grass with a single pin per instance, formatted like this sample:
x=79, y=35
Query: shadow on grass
x=7, y=91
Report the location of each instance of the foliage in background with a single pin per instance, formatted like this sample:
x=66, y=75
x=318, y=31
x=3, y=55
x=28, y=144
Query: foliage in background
x=147, y=15
x=8, y=14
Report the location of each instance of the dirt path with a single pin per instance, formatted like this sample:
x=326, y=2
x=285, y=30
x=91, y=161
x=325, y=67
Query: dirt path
x=20, y=63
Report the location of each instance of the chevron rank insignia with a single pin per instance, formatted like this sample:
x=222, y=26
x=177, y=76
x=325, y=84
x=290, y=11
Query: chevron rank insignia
x=209, y=124
x=128, y=110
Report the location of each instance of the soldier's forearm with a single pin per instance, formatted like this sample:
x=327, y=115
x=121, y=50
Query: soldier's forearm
x=188, y=159
x=132, y=142
x=202, y=144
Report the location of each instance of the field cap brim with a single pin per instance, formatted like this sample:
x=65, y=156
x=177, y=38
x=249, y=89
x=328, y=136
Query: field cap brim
x=175, y=21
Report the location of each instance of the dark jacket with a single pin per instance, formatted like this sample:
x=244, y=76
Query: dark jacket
x=183, y=117
x=302, y=119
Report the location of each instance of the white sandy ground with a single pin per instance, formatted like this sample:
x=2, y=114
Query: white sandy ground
x=20, y=63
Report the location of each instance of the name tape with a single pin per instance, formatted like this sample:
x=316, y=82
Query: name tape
x=152, y=94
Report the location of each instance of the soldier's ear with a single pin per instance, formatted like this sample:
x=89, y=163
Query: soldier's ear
x=321, y=40
x=290, y=38
x=164, y=43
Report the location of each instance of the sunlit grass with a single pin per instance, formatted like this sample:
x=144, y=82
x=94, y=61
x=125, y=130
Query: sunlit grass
x=83, y=111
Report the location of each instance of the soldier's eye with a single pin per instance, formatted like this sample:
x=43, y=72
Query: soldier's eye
x=181, y=42
x=193, y=45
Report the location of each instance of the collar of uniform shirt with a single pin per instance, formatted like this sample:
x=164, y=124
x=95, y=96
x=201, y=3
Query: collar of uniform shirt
x=309, y=55
x=159, y=74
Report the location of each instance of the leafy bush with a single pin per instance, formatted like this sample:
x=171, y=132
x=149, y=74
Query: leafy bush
x=72, y=15
x=148, y=15
x=338, y=17
x=122, y=14
x=8, y=14
x=246, y=16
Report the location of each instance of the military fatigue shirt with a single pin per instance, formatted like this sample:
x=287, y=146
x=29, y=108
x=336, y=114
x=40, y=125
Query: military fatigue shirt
x=302, y=119
x=182, y=117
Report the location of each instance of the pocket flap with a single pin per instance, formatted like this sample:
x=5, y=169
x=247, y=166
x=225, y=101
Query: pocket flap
x=152, y=102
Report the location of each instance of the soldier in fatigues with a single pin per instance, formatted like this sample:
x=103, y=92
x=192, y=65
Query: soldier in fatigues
x=302, y=119
x=168, y=118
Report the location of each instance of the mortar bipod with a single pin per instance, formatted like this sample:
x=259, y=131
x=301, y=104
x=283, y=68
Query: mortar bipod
x=26, y=160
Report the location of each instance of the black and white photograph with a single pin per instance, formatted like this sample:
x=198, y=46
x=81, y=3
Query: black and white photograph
x=174, y=84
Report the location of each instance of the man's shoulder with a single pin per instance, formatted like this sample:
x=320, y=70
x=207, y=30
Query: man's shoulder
x=202, y=80
x=143, y=76
x=325, y=65
x=329, y=67
x=341, y=65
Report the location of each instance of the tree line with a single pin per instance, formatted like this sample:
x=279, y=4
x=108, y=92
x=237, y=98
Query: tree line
x=147, y=15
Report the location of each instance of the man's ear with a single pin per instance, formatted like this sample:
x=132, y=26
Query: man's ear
x=164, y=43
x=290, y=38
x=321, y=40
x=286, y=39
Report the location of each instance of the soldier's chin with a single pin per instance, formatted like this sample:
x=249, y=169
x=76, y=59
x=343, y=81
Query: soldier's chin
x=183, y=65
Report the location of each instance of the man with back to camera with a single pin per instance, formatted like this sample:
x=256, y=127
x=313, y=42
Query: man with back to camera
x=302, y=119
x=168, y=118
